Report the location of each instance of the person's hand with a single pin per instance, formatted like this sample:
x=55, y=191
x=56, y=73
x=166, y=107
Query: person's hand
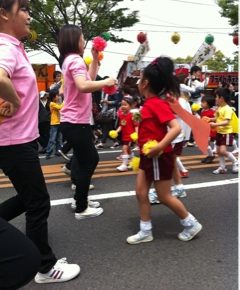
x=8, y=109
x=109, y=82
x=94, y=54
x=213, y=125
x=154, y=152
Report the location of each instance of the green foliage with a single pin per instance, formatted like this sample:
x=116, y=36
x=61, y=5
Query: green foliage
x=94, y=16
x=229, y=10
x=218, y=62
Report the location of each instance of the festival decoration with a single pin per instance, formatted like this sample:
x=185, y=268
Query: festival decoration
x=235, y=39
x=113, y=134
x=175, y=37
x=109, y=90
x=105, y=35
x=148, y=146
x=141, y=37
x=209, y=39
x=195, y=107
x=200, y=128
x=134, y=163
x=134, y=136
x=100, y=55
x=88, y=60
x=32, y=35
x=99, y=44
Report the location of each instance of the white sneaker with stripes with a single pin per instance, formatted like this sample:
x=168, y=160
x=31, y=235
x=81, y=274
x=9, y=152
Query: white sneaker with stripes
x=60, y=272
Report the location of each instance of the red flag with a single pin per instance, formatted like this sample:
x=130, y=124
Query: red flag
x=200, y=128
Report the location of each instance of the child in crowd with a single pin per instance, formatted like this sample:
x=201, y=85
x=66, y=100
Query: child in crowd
x=177, y=145
x=224, y=137
x=207, y=104
x=127, y=126
x=158, y=123
x=55, y=136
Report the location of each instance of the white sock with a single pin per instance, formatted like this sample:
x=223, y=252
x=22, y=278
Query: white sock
x=180, y=165
x=235, y=146
x=231, y=157
x=125, y=159
x=188, y=221
x=146, y=227
x=209, y=150
x=179, y=186
x=222, y=161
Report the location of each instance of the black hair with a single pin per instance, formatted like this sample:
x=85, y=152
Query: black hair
x=52, y=95
x=223, y=93
x=209, y=99
x=8, y=4
x=68, y=41
x=194, y=69
x=130, y=100
x=160, y=74
x=56, y=73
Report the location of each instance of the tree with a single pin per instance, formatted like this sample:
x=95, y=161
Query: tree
x=229, y=10
x=180, y=60
x=94, y=16
x=217, y=62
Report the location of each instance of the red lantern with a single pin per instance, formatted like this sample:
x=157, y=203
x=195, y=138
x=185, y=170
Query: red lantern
x=141, y=37
x=235, y=39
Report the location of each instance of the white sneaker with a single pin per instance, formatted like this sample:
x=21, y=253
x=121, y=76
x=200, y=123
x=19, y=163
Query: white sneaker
x=63, y=155
x=235, y=167
x=73, y=186
x=190, y=232
x=89, y=213
x=220, y=170
x=65, y=170
x=60, y=272
x=122, y=168
x=153, y=197
x=140, y=237
x=179, y=192
x=91, y=203
x=235, y=152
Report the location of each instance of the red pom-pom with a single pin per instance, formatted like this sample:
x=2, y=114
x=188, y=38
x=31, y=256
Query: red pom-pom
x=99, y=43
x=109, y=90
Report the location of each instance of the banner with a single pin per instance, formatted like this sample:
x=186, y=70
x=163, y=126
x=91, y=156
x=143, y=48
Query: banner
x=204, y=52
x=143, y=49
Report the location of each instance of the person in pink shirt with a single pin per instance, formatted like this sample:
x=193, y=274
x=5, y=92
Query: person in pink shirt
x=18, y=145
x=79, y=83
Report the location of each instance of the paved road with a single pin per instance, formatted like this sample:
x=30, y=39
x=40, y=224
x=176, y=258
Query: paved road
x=208, y=262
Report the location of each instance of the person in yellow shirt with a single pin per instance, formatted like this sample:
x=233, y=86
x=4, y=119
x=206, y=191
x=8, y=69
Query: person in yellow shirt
x=55, y=136
x=224, y=137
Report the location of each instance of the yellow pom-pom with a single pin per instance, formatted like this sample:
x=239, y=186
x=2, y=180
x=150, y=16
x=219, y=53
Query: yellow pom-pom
x=88, y=60
x=134, y=136
x=113, y=134
x=134, y=163
x=195, y=107
x=148, y=146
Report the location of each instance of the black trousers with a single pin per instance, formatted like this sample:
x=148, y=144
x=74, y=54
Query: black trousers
x=19, y=258
x=21, y=164
x=84, y=161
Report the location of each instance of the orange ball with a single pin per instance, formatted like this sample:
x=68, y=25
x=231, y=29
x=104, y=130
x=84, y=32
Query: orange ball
x=100, y=55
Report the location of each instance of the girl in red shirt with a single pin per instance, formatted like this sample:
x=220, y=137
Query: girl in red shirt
x=158, y=123
x=127, y=126
x=207, y=104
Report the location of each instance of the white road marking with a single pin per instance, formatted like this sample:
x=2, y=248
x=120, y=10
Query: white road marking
x=132, y=192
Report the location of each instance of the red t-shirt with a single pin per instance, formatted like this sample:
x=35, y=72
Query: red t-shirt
x=127, y=125
x=155, y=114
x=210, y=113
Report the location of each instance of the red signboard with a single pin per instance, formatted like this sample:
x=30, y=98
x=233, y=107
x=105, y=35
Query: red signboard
x=223, y=77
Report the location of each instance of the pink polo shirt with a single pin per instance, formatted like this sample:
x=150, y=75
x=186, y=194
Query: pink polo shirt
x=77, y=107
x=22, y=127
